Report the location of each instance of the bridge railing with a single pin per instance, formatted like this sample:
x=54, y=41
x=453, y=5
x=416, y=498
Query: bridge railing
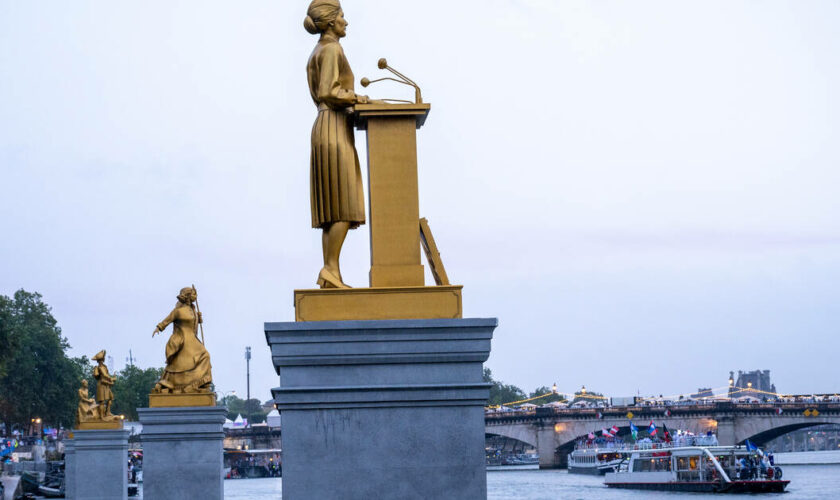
x=656, y=411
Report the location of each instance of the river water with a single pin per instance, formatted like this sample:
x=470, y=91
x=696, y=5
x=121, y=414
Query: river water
x=529, y=483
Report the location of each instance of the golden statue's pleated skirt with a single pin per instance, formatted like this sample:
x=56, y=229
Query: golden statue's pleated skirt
x=335, y=176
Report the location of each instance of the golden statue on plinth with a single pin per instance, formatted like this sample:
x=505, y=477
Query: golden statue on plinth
x=86, y=411
x=187, y=376
x=96, y=413
x=337, y=198
x=397, y=281
x=104, y=382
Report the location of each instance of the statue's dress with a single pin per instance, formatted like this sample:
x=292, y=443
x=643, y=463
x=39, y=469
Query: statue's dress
x=335, y=176
x=103, y=383
x=187, y=361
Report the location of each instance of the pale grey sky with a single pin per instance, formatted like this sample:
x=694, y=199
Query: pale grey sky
x=644, y=193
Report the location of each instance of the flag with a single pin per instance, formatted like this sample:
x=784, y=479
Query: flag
x=591, y=435
x=667, y=413
x=665, y=433
x=752, y=447
x=652, y=429
x=605, y=433
x=599, y=415
x=778, y=411
x=634, y=430
x=613, y=430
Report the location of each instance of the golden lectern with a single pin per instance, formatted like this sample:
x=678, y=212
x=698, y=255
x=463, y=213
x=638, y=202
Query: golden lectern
x=397, y=285
x=394, y=201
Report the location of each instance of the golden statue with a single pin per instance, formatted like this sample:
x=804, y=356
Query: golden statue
x=86, y=411
x=96, y=413
x=337, y=198
x=187, y=361
x=104, y=381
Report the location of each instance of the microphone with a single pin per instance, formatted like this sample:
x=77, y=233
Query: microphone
x=383, y=64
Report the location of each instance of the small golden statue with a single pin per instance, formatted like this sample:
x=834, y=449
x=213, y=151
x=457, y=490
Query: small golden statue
x=187, y=361
x=96, y=413
x=335, y=178
x=86, y=411
x=104, y=381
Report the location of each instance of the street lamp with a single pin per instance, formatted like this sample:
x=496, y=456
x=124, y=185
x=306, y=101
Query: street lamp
x=224, y=395
x=248, y=370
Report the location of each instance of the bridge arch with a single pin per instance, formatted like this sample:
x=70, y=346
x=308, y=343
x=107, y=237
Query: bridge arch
x=763, y=437
x=514, y=432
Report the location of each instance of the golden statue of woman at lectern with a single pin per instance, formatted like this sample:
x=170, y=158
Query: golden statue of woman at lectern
x=337, y=198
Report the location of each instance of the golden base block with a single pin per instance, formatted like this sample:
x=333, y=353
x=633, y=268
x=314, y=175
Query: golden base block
x=408, y=302
x=186, y=399
x=87, y=426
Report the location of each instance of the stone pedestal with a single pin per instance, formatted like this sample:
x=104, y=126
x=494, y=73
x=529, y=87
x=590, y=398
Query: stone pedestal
x=69, y=468
x=182, y=452
x=98, y=465
x=382, y=409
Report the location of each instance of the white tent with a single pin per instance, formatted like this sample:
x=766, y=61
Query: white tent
x=273, y=418
x=239, y=422
x=228, y=424
x=527, y=405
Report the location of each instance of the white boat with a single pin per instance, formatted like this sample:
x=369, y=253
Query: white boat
x=698, y=468
x=594, y=459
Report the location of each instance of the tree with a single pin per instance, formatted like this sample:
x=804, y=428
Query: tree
x=131, y=389
x=251, y=409
x=502, y=393
x=8, y=340
x=39, y=380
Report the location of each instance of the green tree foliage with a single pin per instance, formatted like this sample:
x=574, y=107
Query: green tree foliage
x=238, y=406
x=8, y=340
x=131, y=389
x=39, y=380
x=502, y=393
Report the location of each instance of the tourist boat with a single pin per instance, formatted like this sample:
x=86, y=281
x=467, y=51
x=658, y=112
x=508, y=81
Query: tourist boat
x=717, y=469
x=594, y=459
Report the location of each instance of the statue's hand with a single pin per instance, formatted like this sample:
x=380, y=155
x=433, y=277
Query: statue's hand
x=200, y=320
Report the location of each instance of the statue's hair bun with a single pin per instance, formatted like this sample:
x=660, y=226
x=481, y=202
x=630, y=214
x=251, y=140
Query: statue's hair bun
x=310, y=26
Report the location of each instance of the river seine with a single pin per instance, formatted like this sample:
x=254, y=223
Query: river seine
x=530, y=483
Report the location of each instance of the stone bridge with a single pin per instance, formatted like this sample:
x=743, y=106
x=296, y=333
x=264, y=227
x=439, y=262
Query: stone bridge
x=553, y=432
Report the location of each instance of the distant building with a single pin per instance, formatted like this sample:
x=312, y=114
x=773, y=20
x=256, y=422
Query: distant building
x=703, y=393
x=755, y=383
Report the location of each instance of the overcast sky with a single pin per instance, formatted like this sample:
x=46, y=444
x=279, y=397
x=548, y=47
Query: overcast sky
x=645, y=193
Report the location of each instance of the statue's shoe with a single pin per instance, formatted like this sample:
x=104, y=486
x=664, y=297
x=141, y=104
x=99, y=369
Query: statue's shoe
x=327, y=279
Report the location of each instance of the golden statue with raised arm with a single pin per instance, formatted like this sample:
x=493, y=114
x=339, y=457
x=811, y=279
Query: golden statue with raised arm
x=187, y=361
x=337, y=198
